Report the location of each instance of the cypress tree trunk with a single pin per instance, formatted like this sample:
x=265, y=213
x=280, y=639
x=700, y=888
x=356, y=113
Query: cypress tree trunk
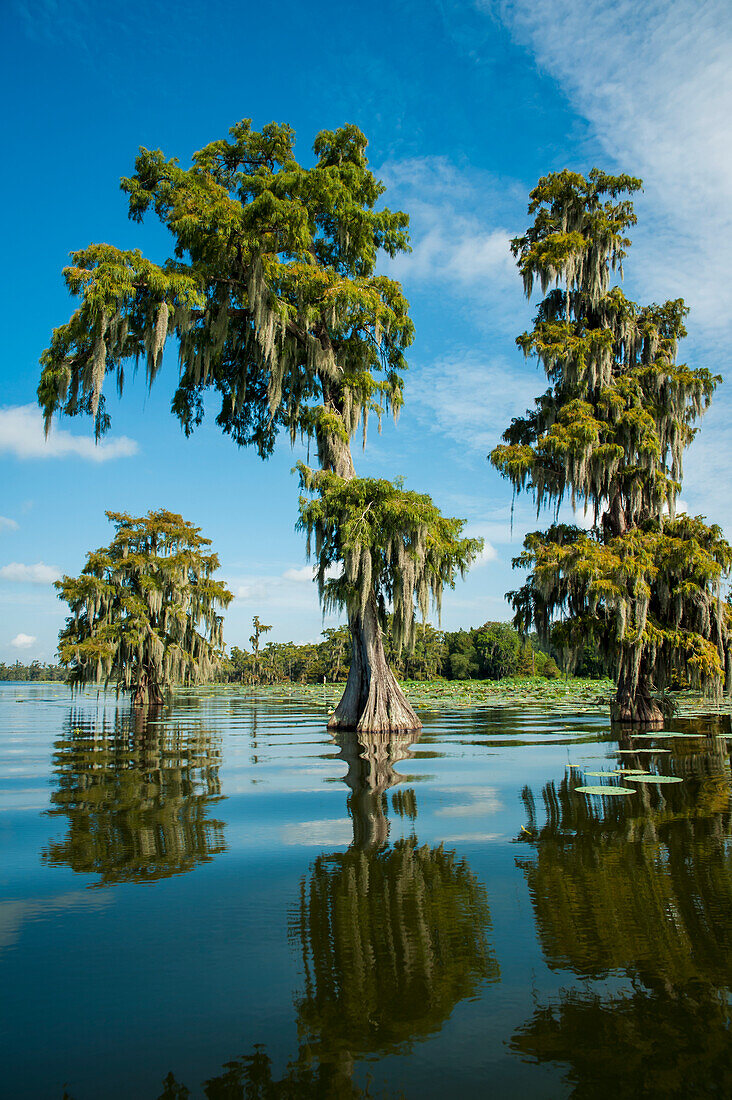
x=147, y=691
x=636, y=707
x=372, y=702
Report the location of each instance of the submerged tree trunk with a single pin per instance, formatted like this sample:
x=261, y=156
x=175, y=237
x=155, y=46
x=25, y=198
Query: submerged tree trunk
x=637, y=706
x=373, y=702
x=147, y=691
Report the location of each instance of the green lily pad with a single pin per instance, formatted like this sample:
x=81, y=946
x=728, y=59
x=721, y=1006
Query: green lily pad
x=605, y=790
x=654, y=779
x=605, y=773
x=628, y=771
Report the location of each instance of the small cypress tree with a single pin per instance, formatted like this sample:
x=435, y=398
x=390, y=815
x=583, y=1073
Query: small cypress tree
x=145, y=608
x=643, y=586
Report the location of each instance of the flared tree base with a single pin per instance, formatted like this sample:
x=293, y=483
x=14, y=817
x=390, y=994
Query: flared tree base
x=640, y=710
x=372, y=702
x=147, y=691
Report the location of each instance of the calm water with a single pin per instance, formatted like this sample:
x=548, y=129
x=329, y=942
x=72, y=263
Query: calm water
x=229, y=901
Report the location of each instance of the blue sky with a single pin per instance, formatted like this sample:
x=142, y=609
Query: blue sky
x=465, y=105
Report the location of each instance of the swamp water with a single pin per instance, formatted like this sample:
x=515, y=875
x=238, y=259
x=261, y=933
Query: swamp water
x=229, y=901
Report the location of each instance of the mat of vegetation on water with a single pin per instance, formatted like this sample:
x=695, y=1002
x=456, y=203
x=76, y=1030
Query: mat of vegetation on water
x=574, y=692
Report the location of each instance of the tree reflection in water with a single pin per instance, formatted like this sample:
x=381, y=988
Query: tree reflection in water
x=391, y=937
x=137, y=794
x=639, y=891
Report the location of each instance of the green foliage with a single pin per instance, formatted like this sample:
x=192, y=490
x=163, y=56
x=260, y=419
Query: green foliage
x=273, y=298
x=34, y=671
x=651, y=593
x=144, y=608
x=387, y=541
x=270, y=293
x=611, y=431
x=137, y=799
x=457, y=655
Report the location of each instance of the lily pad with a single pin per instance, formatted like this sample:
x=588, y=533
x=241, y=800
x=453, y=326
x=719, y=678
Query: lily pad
x=634, y=752
x=605, y=773
x=654, y=779
x=605, y=790
x=663, y=734
x=628, y=771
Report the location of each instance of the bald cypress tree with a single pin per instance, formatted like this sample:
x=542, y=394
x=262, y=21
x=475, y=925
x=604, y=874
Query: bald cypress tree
x=273, y=298
x=609, y=433
x=145, y=609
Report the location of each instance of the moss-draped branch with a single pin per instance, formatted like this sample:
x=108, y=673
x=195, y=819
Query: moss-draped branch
x=380, y=538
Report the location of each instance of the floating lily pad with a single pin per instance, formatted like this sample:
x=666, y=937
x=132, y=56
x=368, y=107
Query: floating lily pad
x=634, y=752
x=628, y=771
x=663, y=733
x=605, y=773
x=654, y=779
x=605, y=790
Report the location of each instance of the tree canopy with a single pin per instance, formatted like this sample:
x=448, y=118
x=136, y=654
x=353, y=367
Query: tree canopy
x=610, y=433
x=145, y=608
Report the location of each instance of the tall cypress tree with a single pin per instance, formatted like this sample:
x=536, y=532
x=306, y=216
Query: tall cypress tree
x=273, y=297
x=609, y=433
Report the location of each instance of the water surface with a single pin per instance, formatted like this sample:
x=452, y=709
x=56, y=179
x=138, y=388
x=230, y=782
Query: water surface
x=227, y=900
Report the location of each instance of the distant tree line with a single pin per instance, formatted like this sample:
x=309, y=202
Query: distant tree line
x=488, y=652
x=34, y=671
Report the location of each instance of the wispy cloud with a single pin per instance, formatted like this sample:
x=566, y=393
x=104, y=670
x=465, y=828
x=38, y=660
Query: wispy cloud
x=654, y=81
x=8, y=524
x=472, y=398
x=292, y=585
x=21, y=435
x=458, y=226
x=337, y=833
x=23, y=641
x=30, y=574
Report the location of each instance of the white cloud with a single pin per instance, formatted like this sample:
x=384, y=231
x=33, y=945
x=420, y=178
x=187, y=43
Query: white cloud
x=472, y=398
x=305, y=573
x=21, y=435
x=8, y=524
x=337, y=833
x=459, y=240
x=286, y=586
x=30, y=574
x=472, y=802
x=23, y=641
x=489, y=552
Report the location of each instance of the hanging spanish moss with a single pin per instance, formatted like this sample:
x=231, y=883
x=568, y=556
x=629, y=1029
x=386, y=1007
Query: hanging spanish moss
x=145, y=609
x=609, y=434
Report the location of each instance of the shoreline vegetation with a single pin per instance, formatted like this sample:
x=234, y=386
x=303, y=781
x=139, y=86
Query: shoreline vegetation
x=571, y=693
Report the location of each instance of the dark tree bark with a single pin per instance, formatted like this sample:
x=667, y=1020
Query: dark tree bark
x=372, y=702
x=636, y=707
x=147, y=691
